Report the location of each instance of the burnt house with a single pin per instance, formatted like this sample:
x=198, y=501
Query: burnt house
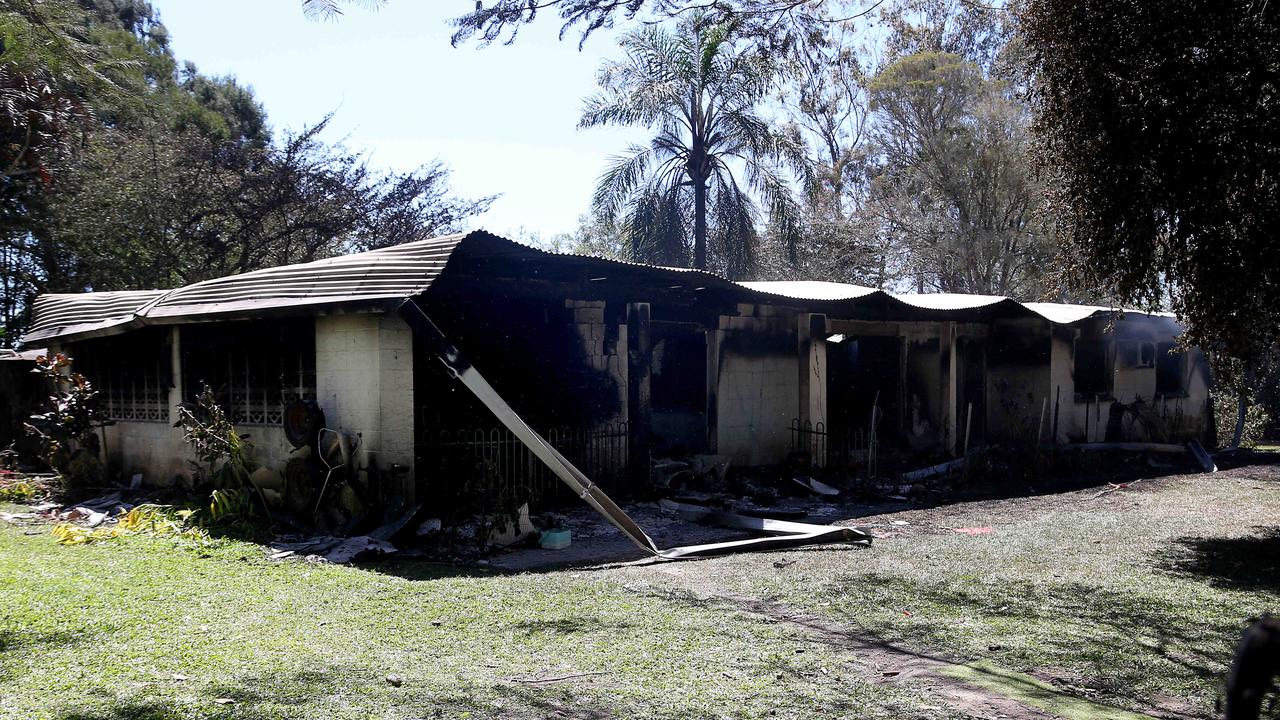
x=614, y=363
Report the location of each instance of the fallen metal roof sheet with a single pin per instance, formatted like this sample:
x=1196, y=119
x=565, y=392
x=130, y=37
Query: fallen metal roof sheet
x=379, y=278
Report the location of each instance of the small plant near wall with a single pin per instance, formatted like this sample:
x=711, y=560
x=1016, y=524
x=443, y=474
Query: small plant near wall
x=154, y=520
x=221, y=453
x=67, y=432
x=220, y=450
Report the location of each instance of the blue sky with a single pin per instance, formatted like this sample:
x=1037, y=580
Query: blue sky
x=503, y=118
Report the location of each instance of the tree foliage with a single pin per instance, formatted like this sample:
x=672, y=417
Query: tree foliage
x=677, y=201
x=186, y=208
x=955, y=187
x=145, y=172
x=1160, y=124
x=332, y=9
x=67, y=431
x=920, y=147
x=781, y=23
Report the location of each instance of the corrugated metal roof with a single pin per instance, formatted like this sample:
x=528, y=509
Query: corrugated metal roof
x=379, y=276
x=810, y=289
x=1060, y=313
x=58, y=315
x=1065, y=314
x=950, y=301
x=395, y=272
x=7, y=354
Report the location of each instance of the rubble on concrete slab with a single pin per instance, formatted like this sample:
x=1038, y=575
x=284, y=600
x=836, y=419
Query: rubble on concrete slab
x=326, y=548
x=391, y=528
x=521, y=530
x=815, y=486
x=946, y=468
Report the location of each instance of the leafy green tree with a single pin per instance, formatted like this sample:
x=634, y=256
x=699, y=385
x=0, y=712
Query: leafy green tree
x=677, y=199
x=824, y=94
x=157, y=175
x=189, y=207
x=955, y=186
x=593, y=236
x=48, y=62
x=331, y=9
x=1158, y=122
x=780, y=24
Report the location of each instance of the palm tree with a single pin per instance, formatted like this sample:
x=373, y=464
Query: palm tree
x=699, y=93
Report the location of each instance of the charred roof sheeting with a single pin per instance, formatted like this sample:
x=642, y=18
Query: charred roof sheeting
x=374, y=279
x=72, y=314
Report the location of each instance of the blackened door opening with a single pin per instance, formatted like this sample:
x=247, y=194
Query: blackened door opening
x=678, y=389
x=863, y=372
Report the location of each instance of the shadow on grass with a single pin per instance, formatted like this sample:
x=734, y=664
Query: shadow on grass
x=1238, y=563
x=11, y=640
x=569, y=626
x=321, y=693
x=421, y=569
x=23, y=641
x=128, y=711
x=1126, y=641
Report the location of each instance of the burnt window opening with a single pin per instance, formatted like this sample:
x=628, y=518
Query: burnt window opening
x=132, y=373
x=1090, y=369
x=1135, y=355
x=679, y=373
x=254, y=368
x=1171, y=370
x=1011, y=344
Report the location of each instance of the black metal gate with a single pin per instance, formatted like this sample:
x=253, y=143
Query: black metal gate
x=493, y=461
x=847, y=450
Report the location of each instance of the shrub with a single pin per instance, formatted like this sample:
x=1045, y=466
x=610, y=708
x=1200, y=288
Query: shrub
x=222, y=452
x=1226, y=412
x=67, y=432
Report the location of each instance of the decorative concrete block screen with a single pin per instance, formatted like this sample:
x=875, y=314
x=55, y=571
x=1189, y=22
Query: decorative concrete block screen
x=131, y=372
x=255, y=368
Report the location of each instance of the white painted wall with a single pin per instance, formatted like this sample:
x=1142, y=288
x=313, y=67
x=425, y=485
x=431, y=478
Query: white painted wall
x=364, y=384
x=1085, y=419
x=758, y=392
x=156, y=450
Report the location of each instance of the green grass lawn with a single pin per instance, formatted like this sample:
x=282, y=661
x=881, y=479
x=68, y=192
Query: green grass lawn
x=1133, y=599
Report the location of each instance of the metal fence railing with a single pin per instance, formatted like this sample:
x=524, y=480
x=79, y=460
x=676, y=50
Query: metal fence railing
x=495, y=461
x=846, y=450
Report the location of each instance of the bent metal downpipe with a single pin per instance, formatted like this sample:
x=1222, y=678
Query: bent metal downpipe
x=785, y=535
